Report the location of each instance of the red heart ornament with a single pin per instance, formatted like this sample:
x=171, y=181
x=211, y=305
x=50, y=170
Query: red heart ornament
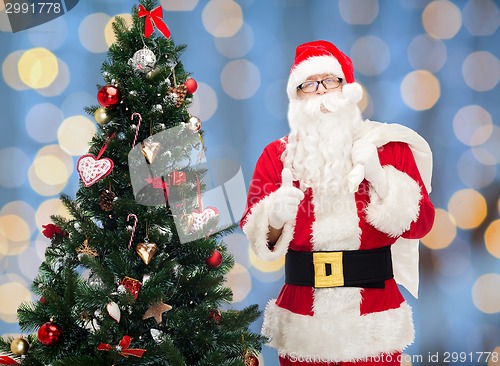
x=201, y=218
x=91, y=169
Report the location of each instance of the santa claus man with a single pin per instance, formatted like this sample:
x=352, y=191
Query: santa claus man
x=334, y=196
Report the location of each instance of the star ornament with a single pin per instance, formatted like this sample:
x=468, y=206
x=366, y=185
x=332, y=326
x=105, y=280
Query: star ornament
x=156, y=310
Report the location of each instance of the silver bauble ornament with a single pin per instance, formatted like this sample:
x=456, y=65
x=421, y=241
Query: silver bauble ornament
x=194, y=123
x=143, y=61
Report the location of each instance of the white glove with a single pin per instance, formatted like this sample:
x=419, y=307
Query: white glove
x=365, y=153
x=286, y=202
x=355, y=177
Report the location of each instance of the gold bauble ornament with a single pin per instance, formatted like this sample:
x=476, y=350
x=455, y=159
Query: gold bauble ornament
x=153, y=73
x=101, y=116
x=19, y=346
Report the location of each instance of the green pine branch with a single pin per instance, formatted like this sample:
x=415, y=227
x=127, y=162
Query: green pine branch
x=83, y=291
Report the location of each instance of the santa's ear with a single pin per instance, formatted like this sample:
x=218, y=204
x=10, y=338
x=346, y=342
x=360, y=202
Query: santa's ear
x=353, y=92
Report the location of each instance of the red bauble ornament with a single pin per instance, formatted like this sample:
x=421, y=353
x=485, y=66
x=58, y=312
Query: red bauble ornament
x=191, y=85
x=215, y=315
x=131, y=285
x=214, y=260
x=109, y=96
x=251, y=360
x=50, y=334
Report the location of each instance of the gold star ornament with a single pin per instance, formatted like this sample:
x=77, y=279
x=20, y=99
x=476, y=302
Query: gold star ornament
x=156, y=310
x=86, y=249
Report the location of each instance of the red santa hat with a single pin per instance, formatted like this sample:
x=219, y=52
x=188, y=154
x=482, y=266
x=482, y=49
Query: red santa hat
x=322, y=57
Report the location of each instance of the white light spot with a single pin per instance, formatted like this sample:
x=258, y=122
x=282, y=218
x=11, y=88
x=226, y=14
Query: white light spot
x=240, y=79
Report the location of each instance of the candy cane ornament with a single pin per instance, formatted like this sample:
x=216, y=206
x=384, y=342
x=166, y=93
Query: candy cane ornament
x=138, y=126
x=133, y=228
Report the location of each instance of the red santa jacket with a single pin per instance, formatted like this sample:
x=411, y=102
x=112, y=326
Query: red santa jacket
x=341, y=323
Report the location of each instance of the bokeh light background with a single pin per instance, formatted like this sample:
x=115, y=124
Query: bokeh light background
x=430, y=65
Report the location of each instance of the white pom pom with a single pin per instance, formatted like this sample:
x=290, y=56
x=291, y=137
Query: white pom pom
x=121, y=289
x=353, y=91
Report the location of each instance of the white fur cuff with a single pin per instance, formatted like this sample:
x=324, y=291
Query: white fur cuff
x=256, y=229
x=394, y=214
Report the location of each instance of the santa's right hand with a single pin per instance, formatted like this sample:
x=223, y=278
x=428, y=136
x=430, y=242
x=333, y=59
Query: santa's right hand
x=286, y=202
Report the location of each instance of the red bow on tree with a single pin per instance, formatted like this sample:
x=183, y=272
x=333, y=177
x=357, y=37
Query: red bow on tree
x=123, y=348
x=153, y=17
x=51, y=230
x=6, y=360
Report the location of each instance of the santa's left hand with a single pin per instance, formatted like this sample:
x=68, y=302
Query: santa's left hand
x=365, y=153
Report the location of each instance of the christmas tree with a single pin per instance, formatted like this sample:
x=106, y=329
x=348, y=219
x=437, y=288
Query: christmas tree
x=136, y=275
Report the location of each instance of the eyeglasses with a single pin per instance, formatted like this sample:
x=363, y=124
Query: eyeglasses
x=331, y=82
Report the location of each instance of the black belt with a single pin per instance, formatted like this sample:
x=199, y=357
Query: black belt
x=351, y=268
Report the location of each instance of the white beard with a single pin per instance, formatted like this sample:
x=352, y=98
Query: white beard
x=322, y=130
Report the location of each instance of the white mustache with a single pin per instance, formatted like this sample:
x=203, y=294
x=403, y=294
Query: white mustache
x=333, y=102
x=329, y=102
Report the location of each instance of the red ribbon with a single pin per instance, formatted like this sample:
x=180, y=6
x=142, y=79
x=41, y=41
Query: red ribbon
x=153, y=18
x=6, y=360
x=107, y=140
x=158, y=183
x=123, y=348
x=174, y=178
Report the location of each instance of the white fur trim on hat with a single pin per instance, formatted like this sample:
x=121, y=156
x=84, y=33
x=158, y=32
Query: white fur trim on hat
x=312, y=66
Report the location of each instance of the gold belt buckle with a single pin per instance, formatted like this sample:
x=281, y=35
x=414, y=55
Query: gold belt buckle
x=334, y=260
